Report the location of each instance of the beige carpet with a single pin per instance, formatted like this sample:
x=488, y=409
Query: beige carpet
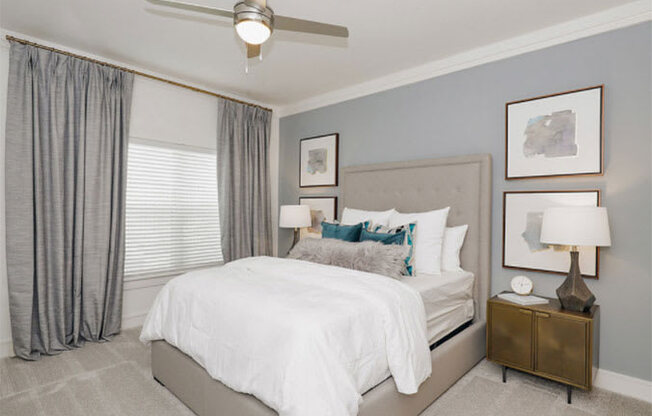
x=114, y=379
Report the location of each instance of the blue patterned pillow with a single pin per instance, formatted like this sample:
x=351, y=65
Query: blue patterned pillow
x=408, y=231
x=385, y=238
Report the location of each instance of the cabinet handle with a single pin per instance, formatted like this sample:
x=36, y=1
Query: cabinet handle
x=543, y=315
x=525, y=311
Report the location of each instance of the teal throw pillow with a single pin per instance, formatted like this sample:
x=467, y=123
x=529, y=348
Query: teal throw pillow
x=341, y=232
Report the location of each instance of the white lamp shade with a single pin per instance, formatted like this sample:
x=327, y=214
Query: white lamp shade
x=576, y=226
x=295, y=216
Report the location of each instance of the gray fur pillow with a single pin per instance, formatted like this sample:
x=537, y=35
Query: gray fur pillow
x=367, y=256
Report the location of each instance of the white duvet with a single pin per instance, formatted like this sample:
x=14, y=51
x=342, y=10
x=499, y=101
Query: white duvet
x=304, y=338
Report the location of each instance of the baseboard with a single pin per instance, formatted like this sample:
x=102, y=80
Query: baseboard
x=133, y=321
x=625, y=385
x=6, y=348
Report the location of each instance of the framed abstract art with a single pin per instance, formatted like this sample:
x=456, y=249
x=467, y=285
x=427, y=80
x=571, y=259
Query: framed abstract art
x=555, y=135
x=322, y=208
x=522, y=218
x=319, y=161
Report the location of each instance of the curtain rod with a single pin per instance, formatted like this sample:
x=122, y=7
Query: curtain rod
x=142, y=74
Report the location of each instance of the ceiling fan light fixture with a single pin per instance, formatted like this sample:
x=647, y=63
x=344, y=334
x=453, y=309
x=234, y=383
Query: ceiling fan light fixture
x=253, y=32
x=253, y=23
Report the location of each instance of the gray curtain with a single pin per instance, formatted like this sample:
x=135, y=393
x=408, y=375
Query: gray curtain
x=66, y=156
x=243, y=180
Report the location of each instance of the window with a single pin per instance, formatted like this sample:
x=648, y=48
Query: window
x=172, y=218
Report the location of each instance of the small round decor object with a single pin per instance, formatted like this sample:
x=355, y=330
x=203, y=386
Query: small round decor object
x=522, y=285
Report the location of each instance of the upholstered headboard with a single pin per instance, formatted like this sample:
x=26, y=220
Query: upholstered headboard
x=463, y=183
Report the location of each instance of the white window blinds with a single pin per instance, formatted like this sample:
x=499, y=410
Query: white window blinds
x=172, y=218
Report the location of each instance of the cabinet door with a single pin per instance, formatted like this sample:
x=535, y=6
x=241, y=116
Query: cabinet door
x=561, y=347
x=510, y=338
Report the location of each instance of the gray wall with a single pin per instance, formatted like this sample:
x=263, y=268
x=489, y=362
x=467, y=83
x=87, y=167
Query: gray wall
x=463, y=113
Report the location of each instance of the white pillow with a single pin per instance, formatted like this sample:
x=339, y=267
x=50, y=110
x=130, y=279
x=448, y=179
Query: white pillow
x=352, y=216
x=450, y=251
x=429, y=237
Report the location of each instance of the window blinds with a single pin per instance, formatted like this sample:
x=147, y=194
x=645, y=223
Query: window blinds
x=172, y=218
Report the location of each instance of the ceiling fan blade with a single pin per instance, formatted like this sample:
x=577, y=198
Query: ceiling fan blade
x=194, y=7
x=252, y=50
x=307, y=26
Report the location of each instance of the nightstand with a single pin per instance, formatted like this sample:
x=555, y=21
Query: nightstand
x=545, y=340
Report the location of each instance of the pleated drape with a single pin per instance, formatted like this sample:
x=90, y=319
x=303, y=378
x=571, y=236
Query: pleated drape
x=244, y=194
x=66, y=158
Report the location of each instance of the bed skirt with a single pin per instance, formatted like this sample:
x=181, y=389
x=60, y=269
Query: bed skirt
x=206, y=396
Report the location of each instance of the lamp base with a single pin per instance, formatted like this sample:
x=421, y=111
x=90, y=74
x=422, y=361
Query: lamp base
x=295, y=240
x=574, y=294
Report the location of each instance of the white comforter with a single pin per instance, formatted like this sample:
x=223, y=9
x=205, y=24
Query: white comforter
x=304, y=338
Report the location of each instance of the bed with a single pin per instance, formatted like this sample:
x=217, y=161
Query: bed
x=464, y=184
x=448, y=301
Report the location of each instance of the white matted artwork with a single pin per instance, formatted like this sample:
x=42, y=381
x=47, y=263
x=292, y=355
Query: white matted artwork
x=522, y=218
x=322, y=208
x=319, y=160
x=555, y=135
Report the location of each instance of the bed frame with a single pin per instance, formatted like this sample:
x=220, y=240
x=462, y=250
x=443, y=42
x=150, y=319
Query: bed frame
x=464, y=184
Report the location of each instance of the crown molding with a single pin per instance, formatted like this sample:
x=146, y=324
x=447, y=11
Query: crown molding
x=5, y=44
x=605, y=21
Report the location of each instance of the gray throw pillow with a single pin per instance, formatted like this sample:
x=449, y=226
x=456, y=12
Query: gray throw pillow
x=366, y=256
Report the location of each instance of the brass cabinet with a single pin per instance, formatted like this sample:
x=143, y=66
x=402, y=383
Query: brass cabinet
x=512, y=336
x=561, y=347
x=544, y=340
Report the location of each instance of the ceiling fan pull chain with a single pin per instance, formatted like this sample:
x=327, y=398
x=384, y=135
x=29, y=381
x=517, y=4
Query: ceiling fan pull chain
x=246, y=64
x=260, y=55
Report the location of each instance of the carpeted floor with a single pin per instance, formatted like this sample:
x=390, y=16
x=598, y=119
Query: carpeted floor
x=114, y=379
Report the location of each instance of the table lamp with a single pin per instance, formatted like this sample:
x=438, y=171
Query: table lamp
x=575, y=226
x=295, y=216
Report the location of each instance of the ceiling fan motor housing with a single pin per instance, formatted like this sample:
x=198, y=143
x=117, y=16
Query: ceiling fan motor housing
x=248, y=11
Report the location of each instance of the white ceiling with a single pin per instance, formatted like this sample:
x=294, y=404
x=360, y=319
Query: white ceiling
x=386, y=36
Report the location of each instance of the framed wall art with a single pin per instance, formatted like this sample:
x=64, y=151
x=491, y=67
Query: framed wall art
x=319, y=161
x=322, y=208
x=555, y=135
x=522, y=218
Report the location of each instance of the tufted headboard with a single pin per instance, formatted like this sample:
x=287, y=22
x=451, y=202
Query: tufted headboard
x=462, y=182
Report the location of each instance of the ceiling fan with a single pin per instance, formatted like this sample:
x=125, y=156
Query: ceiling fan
x=254, y=22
